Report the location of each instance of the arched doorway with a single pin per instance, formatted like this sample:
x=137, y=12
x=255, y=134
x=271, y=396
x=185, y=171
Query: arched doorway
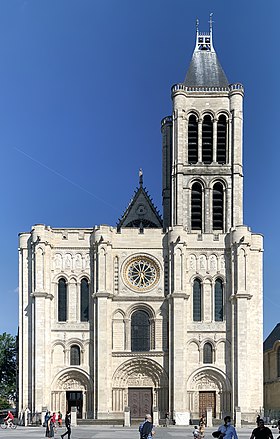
x=140, y=384
x=209, y=387
x=73, y=388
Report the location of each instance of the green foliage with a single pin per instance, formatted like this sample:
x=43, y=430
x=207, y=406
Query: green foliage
x=8, y=369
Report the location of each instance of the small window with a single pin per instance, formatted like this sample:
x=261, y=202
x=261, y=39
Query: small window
x=218, y=206
x=278, y=362
x=207, y=353
x=197, y=300
x=140, y=331
x=219, y=301
x=222, y=140
x=84, y=301
x=192, y=140
x=75, y=355
x=207, y=140
x=196, y=207
x=62, y=300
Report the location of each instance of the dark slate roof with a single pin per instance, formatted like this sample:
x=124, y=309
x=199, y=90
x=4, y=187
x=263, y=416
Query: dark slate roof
x=205, y=70
x=272, y=338
x=140, y=212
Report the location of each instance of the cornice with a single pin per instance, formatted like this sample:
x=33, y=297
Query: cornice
x=140, y=354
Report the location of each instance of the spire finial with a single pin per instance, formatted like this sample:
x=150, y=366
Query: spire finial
x=197, y=24
x=211, y=22
x=140, y=177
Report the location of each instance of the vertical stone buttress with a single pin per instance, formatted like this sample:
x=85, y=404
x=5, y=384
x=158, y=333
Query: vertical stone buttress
x=103, y=293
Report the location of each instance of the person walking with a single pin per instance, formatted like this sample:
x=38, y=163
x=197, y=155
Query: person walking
x=67, y=425
x=227, y=430
x=147, y=429
x=261, y=432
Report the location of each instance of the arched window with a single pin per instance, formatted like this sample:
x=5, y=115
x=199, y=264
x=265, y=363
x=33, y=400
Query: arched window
x=197, y=302
x=84, y=304
x=75, y=355
x=218, y=206
x=140, y=331
x=207, y=140
x=207, y=353
x=278, y=362
x=219, y=301
x=222, y=139
x=192, y=140
x=196, y=207
x=62, y=300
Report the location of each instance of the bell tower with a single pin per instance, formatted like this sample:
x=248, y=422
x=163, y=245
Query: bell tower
x=202, y=146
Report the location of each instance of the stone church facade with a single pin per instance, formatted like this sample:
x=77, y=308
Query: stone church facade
x=158, y=314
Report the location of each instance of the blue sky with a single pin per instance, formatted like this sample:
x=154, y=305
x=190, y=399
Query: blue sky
x=71, y=68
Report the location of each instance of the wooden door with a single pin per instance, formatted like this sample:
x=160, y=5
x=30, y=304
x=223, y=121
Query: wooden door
x=140, y=402
x=207, y=399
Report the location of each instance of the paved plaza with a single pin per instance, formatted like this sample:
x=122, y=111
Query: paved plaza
x=100, y=432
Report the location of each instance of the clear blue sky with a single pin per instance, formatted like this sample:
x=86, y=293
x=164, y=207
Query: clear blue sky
x=69, y=69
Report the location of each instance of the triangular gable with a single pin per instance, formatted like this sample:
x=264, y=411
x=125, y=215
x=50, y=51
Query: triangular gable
x=141, y=212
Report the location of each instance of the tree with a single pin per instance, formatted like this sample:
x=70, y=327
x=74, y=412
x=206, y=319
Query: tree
x=8, y=369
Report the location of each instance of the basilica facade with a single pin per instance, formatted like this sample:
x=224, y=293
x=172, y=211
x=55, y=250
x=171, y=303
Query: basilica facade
x=158, y=314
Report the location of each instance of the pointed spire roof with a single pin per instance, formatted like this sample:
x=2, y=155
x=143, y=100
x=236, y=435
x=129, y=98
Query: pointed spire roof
x=205, y=69
x=140, y=212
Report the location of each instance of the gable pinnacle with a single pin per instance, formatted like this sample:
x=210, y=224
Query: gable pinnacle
x=140, y=177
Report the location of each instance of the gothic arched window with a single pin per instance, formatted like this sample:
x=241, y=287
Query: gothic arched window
x=140, y=331
x=222, y=139
x=207, y=140
x=62, y=300
x=218, y=206
x=75, y=355
x=196, y=207
x=84, y=303
x=219, y=301
x=207, y=353
x=197, y=302
x=278, y=362
x=192, y=139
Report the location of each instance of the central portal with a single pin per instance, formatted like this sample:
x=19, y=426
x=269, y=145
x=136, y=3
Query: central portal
x=139, y=401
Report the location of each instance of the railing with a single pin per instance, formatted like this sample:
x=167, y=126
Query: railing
x=187, y=88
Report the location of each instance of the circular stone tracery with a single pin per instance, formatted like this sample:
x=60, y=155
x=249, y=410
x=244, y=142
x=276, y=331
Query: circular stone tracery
x=141, y=273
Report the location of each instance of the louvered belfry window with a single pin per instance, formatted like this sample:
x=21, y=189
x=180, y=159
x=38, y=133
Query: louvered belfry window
x=197, y=302
x=62, y=300
x=196, y=207
x=222, y=139
x=192, y=140
x=207, y=140
x=84, y=305
x=218, y=206
x=207, y=353
x=219, y=301
x=140, y=331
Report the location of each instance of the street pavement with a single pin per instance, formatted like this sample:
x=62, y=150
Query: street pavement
x=106, y=432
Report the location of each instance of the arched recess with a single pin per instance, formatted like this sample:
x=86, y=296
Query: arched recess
x=140, y=373
x=72, y=381
x=192, y=139
x=118, y=331
x=207, y=381
x=152, y=319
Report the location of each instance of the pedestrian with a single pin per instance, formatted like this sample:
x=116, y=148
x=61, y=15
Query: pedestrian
x=227, y=430
x=50, y=428
x=59, y=419
x=202, y=423
x=67, y=425
x=166, y=417
x=147, y=429
x=196, y=433
x=261, y=432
